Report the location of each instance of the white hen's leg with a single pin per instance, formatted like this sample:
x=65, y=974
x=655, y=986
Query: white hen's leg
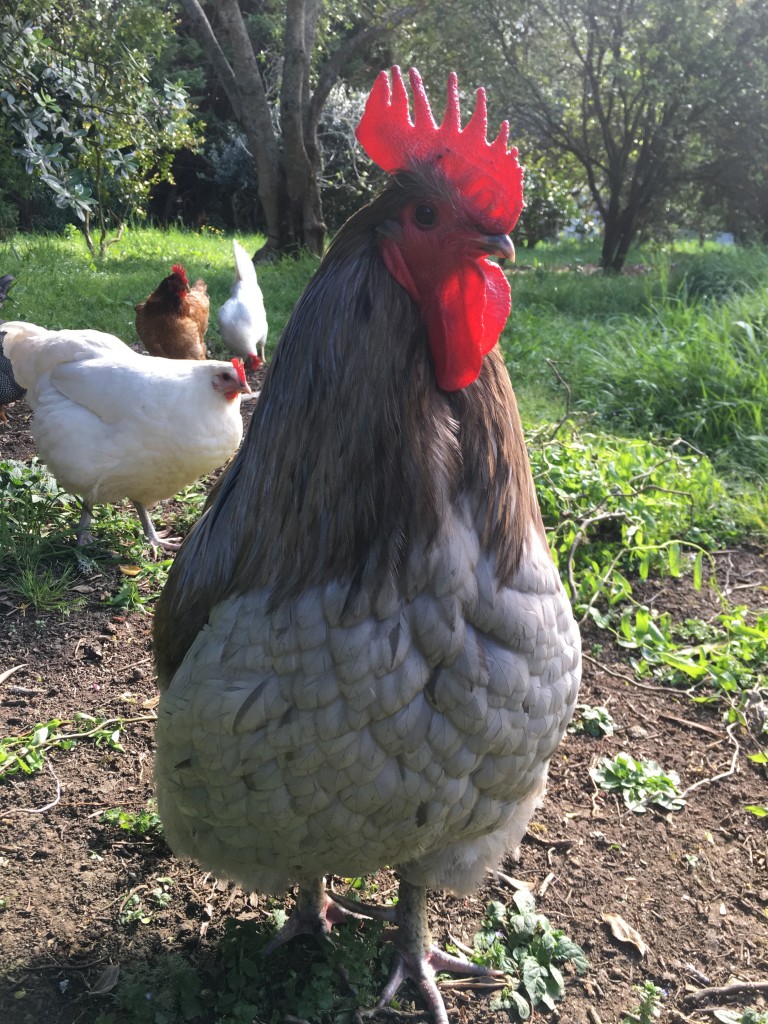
x=417, y=958
x=155, y=539
x=84, y=535
x=315, y=914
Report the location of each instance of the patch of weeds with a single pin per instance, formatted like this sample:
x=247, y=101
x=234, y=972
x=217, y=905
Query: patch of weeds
x=168, y=989
x=759, y=810
x=37, y=560
x=593, y=721
x=26, y=753
x=138, y=824
x=141, y=905
x=641, y=783
x=614, y=507
x=324, y=985
x=524, y=944
x=141, y=586
x=724, y=662
x=648, y=1008
x=749, y=1015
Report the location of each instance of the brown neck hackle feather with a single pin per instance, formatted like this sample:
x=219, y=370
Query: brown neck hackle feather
x=353, y=454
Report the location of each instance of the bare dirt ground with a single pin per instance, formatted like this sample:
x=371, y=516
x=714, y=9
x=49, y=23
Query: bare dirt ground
x=693, y=884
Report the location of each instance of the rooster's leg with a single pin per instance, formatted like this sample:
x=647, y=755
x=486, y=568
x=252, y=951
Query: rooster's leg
x=84, y=535
x=417, y=958
x=155, y=539
x=315, y=914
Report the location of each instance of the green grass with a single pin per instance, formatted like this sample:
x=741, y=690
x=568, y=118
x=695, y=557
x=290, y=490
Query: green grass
x=59, y=286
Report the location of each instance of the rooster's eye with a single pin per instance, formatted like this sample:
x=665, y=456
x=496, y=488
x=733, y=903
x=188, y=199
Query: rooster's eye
x=425, y=215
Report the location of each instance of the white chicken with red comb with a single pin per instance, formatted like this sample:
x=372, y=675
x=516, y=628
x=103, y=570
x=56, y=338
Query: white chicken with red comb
x=378, y=671
x=112, y=424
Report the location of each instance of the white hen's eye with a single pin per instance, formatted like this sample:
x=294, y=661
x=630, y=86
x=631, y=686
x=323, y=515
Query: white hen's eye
x=425, y=215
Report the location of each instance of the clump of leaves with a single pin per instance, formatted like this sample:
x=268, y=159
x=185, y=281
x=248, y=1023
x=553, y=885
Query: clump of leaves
x=27, y=753
x=523, y=944
x=593, y=721
x=138, y=824
x=324, y=985
x=648, y=1008
x=140, y=907
x=167, y=989
x=641, y=783
x=724, y=662
x=746, y=1016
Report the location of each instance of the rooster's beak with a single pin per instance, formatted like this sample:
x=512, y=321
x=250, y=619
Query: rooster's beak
x=497, y=245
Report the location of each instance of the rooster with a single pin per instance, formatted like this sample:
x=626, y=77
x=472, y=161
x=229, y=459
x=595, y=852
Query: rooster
x=111, y=423
x=242, y=318
x=173, y=320
x=379, y=671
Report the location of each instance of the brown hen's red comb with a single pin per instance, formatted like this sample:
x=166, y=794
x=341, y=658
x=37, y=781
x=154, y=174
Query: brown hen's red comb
x=487, y=174
x=178, y=269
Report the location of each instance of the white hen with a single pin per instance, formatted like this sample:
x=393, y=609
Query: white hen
x=242, y=318
x=112, y=424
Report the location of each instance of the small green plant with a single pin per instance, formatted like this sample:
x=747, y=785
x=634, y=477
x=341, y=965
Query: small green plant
x=749, y=1015
x=593, y=721
x=721, y=663
x=648, y=1008
x=166, y=989
x=640, y=783
x=141, y=910
x=141, y=585
x=523, y=944
x=26, y=754
x=138, y=824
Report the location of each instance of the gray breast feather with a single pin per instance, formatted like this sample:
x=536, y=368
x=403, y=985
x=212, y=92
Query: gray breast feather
x=290, y=743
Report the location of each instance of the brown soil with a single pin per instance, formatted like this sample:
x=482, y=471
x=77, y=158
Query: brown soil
x=693, y=884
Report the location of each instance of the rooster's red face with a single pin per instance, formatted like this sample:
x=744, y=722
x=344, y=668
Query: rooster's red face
x=440, y=256
x=438, y=246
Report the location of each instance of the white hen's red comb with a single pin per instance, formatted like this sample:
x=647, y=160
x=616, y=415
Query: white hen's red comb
x=487, y=174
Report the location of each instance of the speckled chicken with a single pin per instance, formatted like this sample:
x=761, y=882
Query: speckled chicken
x=10, y=390
x=365, y=652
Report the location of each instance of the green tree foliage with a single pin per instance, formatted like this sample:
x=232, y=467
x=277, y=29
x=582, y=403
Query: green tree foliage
x=660, y=106
x=85, y=113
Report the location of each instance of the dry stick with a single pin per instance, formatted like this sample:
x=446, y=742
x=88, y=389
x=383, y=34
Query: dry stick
x=47, y=807
x=634, y=682
x=10, y=671
x=567, y=387
x=722, y=775
x=736, y=988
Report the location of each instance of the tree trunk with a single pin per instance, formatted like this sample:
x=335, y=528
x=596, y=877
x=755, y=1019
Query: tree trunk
x=302, y=171
x=289, y=168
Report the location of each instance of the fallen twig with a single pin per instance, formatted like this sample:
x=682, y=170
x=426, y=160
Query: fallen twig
x=47, y=807
x=723, y=775
x=10, y=671
x=736, y=988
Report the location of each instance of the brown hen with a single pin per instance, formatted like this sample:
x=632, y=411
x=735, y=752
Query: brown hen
x=173, y=320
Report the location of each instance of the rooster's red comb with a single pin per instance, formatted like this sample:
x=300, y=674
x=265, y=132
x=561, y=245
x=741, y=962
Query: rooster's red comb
x=487, y=174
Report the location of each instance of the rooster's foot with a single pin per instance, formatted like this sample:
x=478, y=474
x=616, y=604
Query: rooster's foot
x=417, y=959
x=315, y=914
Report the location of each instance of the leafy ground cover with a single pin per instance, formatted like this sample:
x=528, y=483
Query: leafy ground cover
x=642, y=889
